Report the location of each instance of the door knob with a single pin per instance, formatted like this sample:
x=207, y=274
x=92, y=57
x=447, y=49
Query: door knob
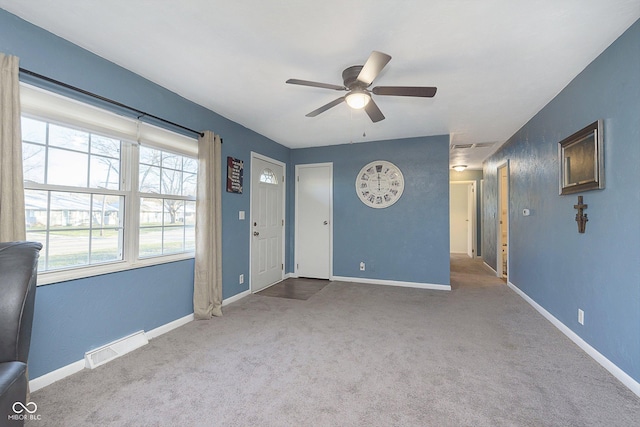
x=326, y=222
x=255, y=233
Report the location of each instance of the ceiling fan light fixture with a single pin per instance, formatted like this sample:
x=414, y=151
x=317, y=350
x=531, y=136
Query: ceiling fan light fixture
x=459, y=168
x=358, y=99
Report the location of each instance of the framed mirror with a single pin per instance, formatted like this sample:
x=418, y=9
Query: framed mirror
x=581, y=159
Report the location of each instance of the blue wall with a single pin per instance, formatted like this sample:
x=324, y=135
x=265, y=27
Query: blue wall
x=63, y=328
x=75, y=316
x=562, y=270
x=408, y=241
x=598, y=271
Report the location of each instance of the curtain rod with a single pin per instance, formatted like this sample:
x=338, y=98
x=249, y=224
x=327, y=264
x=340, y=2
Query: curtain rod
x=107, y=100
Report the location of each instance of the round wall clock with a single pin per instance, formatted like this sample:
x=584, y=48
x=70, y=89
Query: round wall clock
x=379, y=184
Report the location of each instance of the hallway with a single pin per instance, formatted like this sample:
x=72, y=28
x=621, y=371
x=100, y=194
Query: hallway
x=471, y=273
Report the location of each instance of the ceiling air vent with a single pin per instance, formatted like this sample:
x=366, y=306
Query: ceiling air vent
x=484, y=145
x=468, y=146
x=461, y=146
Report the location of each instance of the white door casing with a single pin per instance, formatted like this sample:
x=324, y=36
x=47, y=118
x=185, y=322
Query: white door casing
x=314, y=220
x=502, y=258
x=471, y=215
x=267, y=222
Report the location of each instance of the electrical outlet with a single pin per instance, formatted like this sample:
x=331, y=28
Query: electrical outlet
x=581, y=317
x=362, y=266
x=241, y=279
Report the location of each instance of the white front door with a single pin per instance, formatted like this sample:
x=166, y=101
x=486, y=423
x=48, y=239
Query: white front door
x=267, y=222
x=314, y=195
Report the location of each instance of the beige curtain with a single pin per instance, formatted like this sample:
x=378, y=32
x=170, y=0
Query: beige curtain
x=207, y=287
x=12, y=225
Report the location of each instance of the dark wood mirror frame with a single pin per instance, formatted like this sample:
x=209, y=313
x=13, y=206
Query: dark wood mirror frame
x=581, y=160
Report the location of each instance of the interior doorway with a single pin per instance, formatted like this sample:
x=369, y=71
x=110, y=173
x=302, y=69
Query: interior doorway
x=502, y=258
x=267, y=221
x=462, y=218
x=314, y=220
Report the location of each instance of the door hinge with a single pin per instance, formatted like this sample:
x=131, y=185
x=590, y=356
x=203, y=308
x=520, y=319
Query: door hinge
x=298, y=178
x=283, y=222
x=281, y=266
x=297, y=266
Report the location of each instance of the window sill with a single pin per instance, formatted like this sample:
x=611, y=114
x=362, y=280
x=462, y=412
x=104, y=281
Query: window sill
x=57, y=276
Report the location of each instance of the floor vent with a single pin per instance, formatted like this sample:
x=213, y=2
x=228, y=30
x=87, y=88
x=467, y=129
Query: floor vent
x=107, y=353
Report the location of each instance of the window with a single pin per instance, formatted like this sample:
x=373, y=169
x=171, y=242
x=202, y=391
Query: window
x=97, y=201
x=268, y=177
x=167, y=184
x=73, y=202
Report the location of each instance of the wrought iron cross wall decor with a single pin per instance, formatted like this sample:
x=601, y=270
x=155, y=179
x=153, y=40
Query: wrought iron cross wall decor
x=581, y=217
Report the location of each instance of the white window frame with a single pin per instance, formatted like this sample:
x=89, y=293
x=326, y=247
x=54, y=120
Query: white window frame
x=47, y=106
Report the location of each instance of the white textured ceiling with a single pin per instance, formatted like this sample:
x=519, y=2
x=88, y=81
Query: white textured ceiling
x=496, y=63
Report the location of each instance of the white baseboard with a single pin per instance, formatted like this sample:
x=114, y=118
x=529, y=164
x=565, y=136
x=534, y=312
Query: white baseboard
x=491, y=268
x=236, y=297
x=53, y=376
x=290, y=276
x=392, y=283
x=622, y=376
x=155, y=333
x=72, y=368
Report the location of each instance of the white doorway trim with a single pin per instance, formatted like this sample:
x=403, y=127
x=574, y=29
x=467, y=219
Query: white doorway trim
x=473, y=226
x=499, y=259
x=255, y=155
x=297, y=215
x=481, y=190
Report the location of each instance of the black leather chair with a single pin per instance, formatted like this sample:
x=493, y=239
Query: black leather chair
x=18, y=271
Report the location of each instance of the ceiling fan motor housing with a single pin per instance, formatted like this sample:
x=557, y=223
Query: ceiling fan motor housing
x=350, y=78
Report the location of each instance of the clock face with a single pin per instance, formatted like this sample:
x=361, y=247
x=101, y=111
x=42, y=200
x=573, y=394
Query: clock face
x=379, y=184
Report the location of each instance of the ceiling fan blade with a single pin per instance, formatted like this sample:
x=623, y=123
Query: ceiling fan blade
x=326, y=107
x=315, y=84
x=423, y=91
x=373, y=111
x=373, y=66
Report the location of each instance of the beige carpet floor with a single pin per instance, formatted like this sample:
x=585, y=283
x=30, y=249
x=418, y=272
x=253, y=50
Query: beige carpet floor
x=354, y=355
x=295, y=288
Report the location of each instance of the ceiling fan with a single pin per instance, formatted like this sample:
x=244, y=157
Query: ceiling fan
x=357, y=79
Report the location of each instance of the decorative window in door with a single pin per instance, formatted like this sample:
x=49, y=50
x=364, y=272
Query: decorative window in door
x=268, y=177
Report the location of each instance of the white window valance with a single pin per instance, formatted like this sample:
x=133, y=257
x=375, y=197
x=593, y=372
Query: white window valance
x=44, y=104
